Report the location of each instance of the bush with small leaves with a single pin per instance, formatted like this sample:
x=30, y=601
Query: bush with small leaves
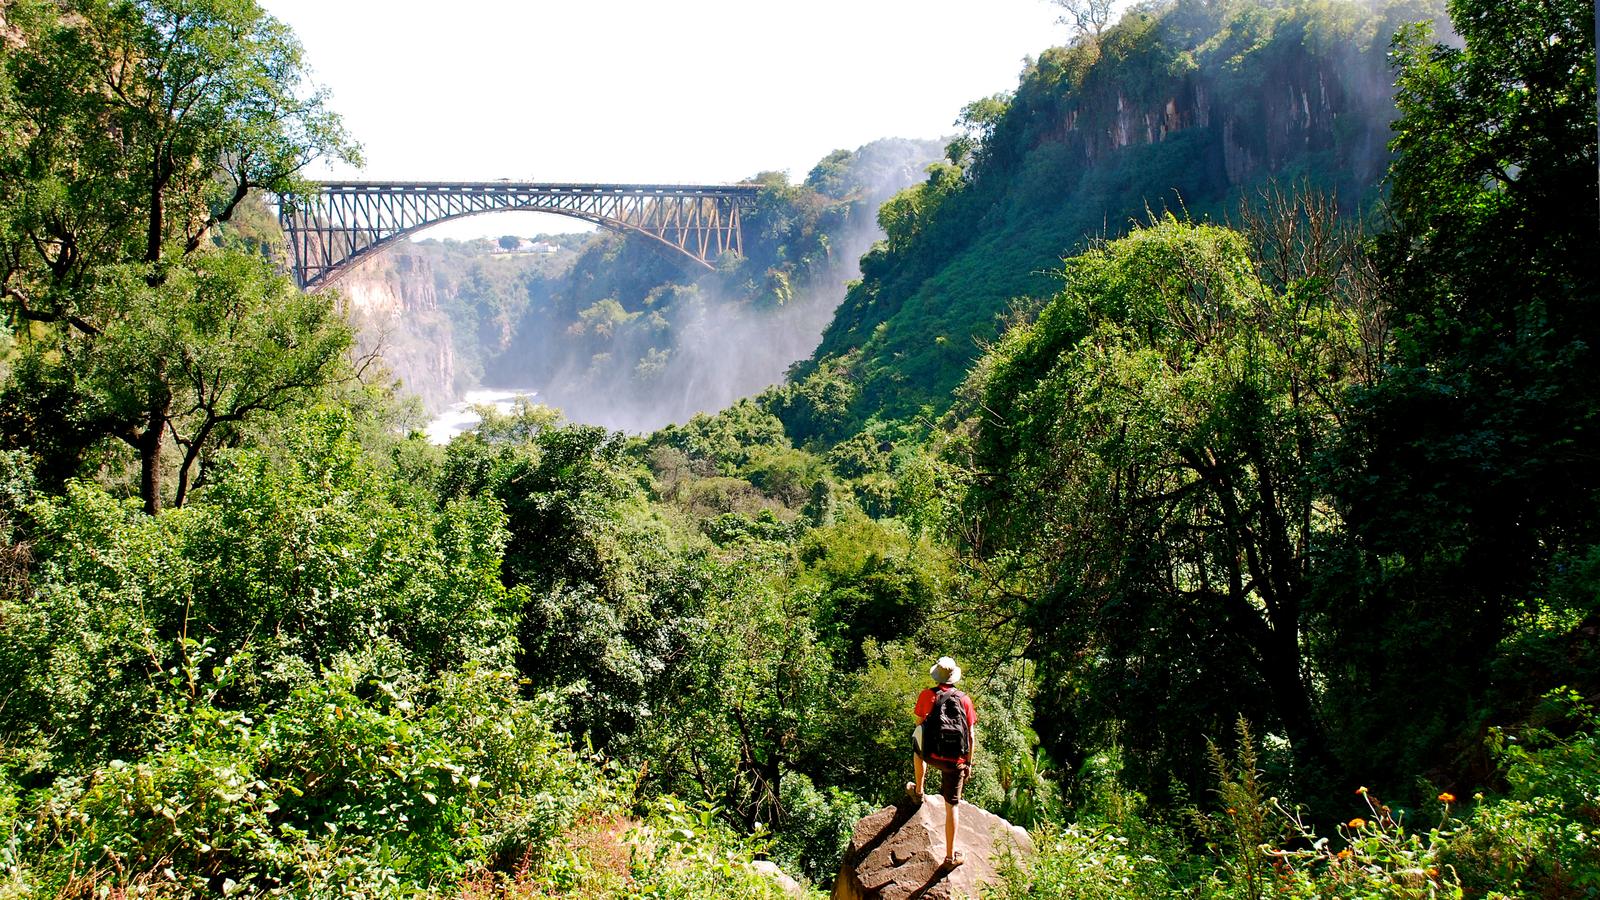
x=364, y=781
x=1543, y=837
x=1380, y=858
x=685, y=853
x=1084, y=862
x=294, y=557
x=817, y=826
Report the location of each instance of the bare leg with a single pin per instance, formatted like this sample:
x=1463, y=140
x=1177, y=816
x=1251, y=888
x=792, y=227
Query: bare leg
x=921, y=771
x=951, y=813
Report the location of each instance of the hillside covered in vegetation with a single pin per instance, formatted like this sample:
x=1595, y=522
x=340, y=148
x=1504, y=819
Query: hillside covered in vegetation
x=1268, y=534
x=1189, y=108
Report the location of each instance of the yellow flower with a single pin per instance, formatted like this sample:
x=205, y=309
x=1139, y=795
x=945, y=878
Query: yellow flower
x=1344, y=854
x=1447, y=797
x=1362, y=789
x=1358, y=822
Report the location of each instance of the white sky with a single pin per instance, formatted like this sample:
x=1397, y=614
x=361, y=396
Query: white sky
x=634, y=91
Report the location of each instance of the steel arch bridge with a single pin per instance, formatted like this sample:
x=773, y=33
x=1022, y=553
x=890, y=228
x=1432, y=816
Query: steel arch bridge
x=341, y=223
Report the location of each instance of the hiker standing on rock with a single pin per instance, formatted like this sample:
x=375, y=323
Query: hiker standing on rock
x=943, y=739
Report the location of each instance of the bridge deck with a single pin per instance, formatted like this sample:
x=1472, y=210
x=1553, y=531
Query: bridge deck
x=338, y=223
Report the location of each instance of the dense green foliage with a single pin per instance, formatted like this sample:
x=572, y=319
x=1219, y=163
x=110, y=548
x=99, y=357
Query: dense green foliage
x=134, y=131
x=1154, y=439
x=1226, y=525
x=1475, y=523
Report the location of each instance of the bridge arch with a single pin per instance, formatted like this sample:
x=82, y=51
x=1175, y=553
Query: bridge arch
x=339, y=224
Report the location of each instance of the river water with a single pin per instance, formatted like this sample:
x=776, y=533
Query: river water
x=460, y=417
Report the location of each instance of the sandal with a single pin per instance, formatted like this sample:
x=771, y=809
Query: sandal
x=954, y=860
x=912, y=792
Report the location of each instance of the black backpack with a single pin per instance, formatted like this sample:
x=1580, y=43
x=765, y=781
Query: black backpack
x=946, y=731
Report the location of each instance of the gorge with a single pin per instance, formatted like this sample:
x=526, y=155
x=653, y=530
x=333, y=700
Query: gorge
x=612, y=331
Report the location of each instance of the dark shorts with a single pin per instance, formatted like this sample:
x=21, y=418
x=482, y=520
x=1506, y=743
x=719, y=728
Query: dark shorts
x=952, y=776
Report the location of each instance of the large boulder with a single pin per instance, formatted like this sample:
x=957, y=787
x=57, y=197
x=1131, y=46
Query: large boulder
x=897, y=853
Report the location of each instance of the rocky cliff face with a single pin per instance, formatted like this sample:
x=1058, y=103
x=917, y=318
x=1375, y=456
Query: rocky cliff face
x=1311, y=104
x=393, y=303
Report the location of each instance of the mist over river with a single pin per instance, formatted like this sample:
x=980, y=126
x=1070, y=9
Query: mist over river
x=461, y=417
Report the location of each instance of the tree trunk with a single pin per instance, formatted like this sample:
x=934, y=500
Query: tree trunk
x=1291, y=699
x=157, y=223
x=182, y=492
x=191, y=455
x=150, y=444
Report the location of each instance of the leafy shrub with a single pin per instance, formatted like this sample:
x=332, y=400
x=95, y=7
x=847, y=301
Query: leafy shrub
x=871, y=581
x=1542, y=838
x=297, y=557
x=1381, y=857
x=1082, y=862
x=687, y=854
x=784, y=474
x=726, y=439
x=1249, y=820
x=860, y=455
x=360, y=783
x=12, y=874
x=1263, y=849
x=764, y=526
x=676, y=852
x=817, y=827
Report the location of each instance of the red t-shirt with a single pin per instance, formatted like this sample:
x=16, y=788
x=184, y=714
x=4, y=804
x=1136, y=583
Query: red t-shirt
x=925, y=706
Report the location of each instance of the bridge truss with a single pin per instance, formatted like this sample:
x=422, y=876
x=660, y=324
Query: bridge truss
x=342, y=223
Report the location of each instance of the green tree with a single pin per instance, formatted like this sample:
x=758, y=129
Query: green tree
x=294, y=559
x=221, y=340
x=608, y=602
x=136, y=127
x=907, y=214
x=754, y=695
x=304, y=797
x=1088, y=18
x=141, y=125
x=1477, y=495
x=1146, y=495
x=977, y=123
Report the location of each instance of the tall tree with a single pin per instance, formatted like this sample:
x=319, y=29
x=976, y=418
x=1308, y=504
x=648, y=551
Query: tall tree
x=220, y=340
x=135, y=128
x=1477, y=494
x=1146, y=498
x=977, y=123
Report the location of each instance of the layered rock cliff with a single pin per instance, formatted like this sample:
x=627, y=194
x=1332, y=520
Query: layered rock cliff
x=1262, y=116
x=393, y=302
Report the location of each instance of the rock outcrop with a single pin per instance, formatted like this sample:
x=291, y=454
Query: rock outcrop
x=896, y=853
x=777, y=876
x=392, y=301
